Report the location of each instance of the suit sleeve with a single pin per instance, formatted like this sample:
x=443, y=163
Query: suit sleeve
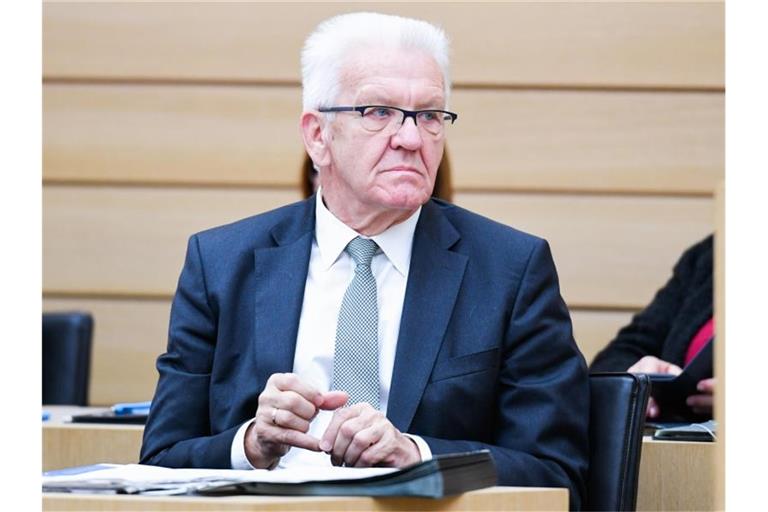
x=647, y=332
x=178, y=432
x=542, y=434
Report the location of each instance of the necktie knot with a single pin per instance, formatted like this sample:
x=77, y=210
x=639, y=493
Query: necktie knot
x=362, y=250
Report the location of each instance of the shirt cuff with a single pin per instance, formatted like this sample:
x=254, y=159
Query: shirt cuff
x=237, y=454
x=424, y=451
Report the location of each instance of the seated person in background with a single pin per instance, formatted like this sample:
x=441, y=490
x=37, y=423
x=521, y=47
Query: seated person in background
x=371, y=325
x=671, y=330
x=443, y=187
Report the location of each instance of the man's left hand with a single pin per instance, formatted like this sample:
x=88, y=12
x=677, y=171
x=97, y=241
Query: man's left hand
x=362, y=436
x=702, y=402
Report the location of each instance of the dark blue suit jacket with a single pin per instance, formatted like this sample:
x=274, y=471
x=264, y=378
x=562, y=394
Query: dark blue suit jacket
x=485, y=355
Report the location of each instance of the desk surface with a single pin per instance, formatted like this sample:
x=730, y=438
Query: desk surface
x=673, y=475
x=677, y=475
x=494, y=498
x=78, y=444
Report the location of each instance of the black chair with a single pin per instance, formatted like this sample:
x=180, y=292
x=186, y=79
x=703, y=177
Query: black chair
x=66, y=357
x=617, y=418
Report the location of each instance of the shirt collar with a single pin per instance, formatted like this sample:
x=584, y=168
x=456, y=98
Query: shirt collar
x=332, y=237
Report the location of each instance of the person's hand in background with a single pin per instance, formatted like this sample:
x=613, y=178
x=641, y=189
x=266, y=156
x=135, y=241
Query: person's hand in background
x=701, y=403
x=652, y=364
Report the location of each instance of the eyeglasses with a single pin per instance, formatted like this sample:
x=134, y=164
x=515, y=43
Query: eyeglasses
x=376, y=118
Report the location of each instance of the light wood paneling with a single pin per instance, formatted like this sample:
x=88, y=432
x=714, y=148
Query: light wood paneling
x=500, y=499
x=181, y=134
x=676, y=476
x=535, y=140
x=133, y=240
x=593, y=329
x=67, y=445
x=610, y=251
x=130, y=333
x=573, y=43
x=588, y=141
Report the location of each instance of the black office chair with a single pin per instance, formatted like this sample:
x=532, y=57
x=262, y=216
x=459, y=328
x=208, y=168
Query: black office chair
x=66, y=357
x=617, y=418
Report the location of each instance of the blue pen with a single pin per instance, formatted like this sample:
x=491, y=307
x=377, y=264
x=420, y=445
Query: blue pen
x=132, y=408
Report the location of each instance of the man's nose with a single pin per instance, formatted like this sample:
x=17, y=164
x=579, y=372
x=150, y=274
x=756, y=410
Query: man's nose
x=407, y=136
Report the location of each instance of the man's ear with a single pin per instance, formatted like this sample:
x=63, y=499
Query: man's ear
x=314, y=142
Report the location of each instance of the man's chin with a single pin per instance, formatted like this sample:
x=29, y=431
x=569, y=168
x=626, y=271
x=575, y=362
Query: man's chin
x=409, y=200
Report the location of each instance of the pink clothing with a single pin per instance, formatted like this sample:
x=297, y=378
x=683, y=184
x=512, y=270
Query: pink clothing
x=701, y=338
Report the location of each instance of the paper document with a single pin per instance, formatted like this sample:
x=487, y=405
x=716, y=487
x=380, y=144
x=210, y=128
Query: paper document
x=140, y=478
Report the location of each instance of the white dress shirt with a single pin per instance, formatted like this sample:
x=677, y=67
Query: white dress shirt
x=330, y=271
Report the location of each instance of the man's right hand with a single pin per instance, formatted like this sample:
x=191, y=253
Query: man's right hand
x=286, y=407
x=651, y=364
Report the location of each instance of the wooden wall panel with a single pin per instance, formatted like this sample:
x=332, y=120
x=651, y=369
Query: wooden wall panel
x=165, y=134
x=588, y=141
x=609, y=251
x=129, y=240
x=650, y=44
x=129, y=334
x=593, y=329
x=503, y=140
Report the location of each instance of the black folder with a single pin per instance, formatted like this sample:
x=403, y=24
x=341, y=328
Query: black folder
x=671, y=391
x=442, y=476
x=110, y=417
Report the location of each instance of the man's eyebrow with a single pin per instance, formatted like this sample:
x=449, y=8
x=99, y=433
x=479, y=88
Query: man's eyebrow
x=436, y=103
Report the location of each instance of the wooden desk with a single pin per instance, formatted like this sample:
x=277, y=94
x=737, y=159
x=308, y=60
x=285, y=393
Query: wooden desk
x=676, y=475
x=494, y=498
x=673, y=475
x=77, y=444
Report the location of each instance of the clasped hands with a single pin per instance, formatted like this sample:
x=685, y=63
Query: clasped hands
x=358, y=436
x=700, y=403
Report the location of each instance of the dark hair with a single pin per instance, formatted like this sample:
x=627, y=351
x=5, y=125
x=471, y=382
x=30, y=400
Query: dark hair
x=443, y=187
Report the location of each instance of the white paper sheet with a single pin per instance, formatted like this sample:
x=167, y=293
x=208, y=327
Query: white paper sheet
x=143, y=474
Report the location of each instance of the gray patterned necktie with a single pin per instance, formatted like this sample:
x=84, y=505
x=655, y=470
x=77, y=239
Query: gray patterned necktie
x=356, y=358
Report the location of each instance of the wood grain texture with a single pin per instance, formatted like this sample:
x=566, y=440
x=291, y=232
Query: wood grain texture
x=493, y=498
x=133, y=240
x=504, y=140
x=593, y=329
x=676, y=476
x=654, y=44
x=165, y=134
x=69, y=445
x=130, y=333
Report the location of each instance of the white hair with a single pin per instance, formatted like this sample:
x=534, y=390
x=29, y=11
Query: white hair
x=326, y=48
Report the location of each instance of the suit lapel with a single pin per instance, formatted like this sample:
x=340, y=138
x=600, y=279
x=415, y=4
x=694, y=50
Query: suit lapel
x=281, y=273
x=434, y=280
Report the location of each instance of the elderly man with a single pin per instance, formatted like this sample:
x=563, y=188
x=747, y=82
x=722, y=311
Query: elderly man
x=370, y=325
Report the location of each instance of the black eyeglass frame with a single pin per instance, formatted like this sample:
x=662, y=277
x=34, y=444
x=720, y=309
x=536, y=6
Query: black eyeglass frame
x=406, y=113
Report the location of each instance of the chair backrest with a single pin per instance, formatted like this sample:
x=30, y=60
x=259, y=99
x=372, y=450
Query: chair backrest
x=66, y=357
x=617, y=418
